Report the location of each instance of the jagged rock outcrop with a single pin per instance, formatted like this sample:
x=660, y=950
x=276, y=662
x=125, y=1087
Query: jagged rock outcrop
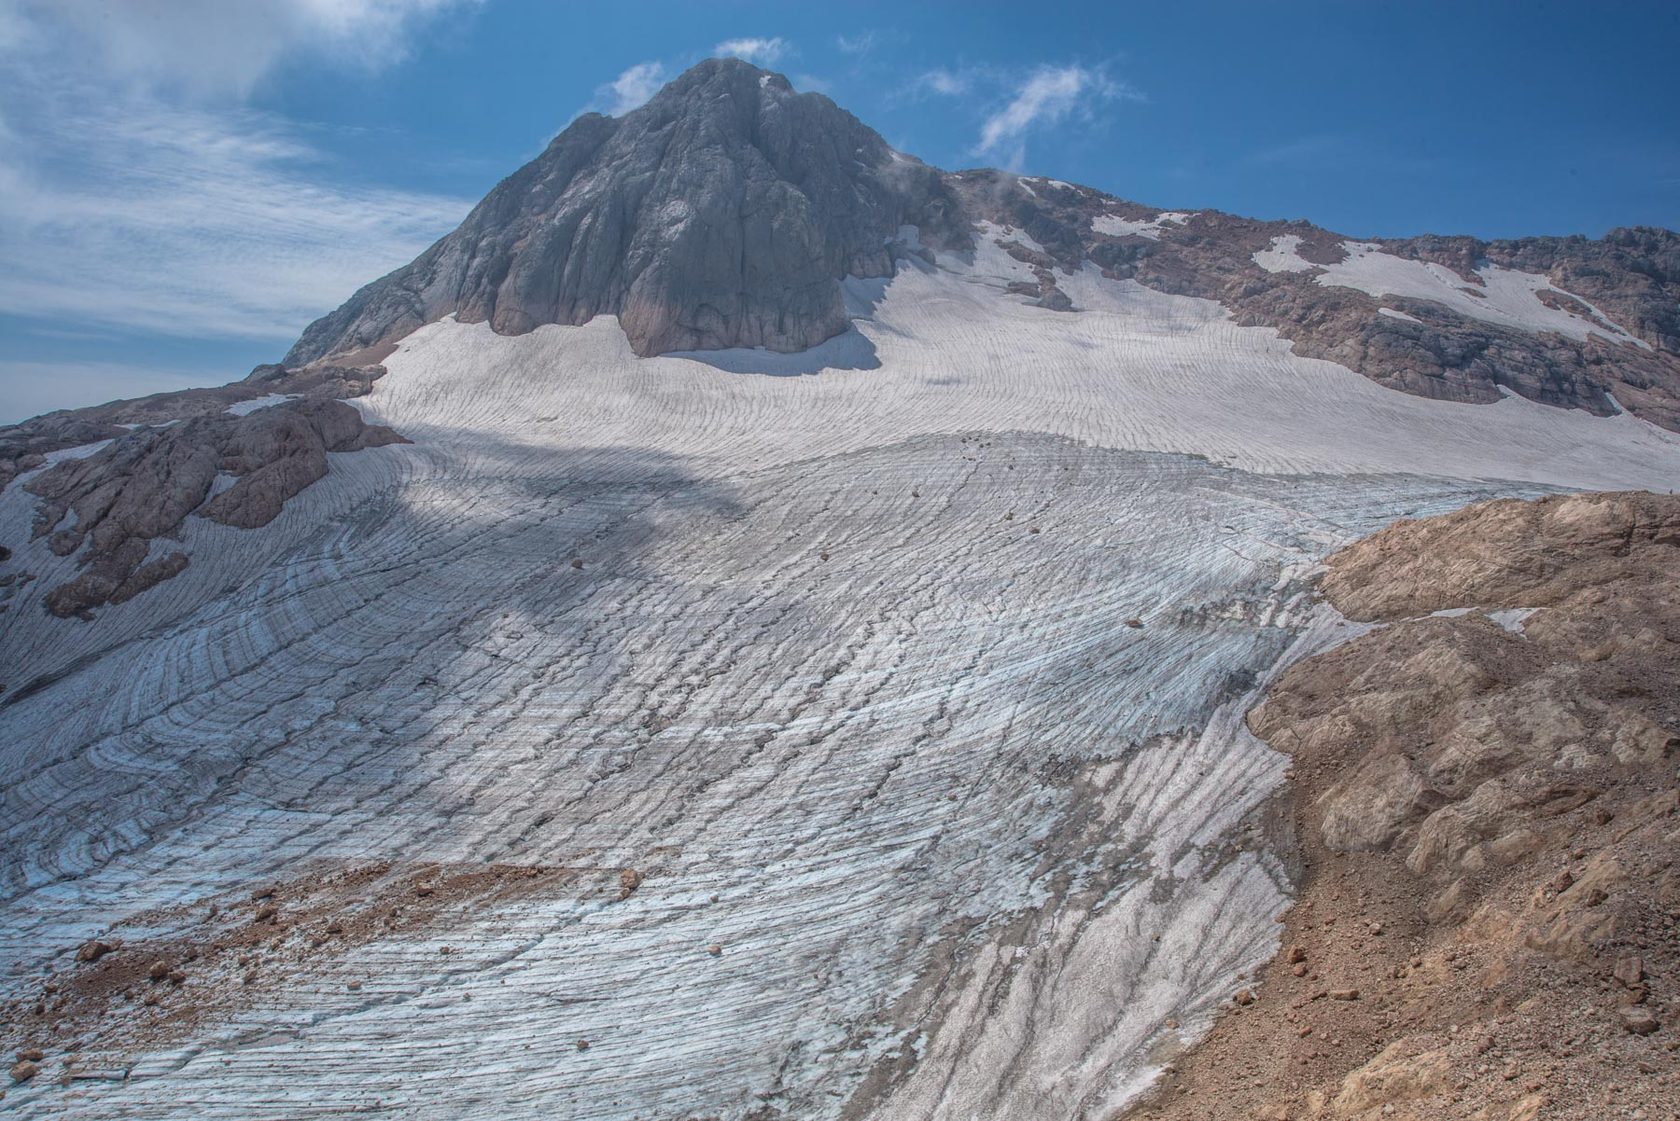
x=154, y=473
x=722, y=213
x=1487, y=806
x=25, y=446
x=1513, y=555
x=133, y=495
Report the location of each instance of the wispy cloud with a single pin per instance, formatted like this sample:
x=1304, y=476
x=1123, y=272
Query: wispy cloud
x=762, y=52
x=1319, y=150
x=859, y=44
x=211, y=47
x=1046, y=97
x=1300, y=149
x=631, y=89
x=191, y=222
x=139, y=199
x=948, y=83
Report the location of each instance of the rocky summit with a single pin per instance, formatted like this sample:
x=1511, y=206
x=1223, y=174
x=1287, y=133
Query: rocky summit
x=753, y=626
x=723, y=213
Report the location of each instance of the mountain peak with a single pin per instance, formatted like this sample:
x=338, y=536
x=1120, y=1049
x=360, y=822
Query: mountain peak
x=721, y=73
x=722, y=213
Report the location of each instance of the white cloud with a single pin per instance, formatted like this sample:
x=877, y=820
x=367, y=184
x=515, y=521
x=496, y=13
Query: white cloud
x=137, y=199
x=631, y=89
x=861, y=43
x=213, y=47
x=192, y=222
x=949, y=83
x=1047, y=96
x=761, y=52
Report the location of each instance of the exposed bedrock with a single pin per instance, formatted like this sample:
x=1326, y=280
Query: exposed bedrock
x=122, y=504
x=1486, y=795
x=26, y=446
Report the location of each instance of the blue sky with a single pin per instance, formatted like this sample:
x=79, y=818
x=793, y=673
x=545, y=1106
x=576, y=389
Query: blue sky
x=184, y=184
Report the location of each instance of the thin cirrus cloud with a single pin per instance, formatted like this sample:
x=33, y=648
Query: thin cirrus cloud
x=859, y=44
x=1045, y=98
x=211, y=47
x=138, y=191
x=181, y=221
x=761, y=52
x=948, y=83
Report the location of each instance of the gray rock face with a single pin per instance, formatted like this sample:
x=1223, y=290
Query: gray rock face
x=722, y=213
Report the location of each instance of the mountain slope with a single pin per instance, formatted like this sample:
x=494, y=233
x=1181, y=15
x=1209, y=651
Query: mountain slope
x=730, y=210
x=849, y=732
x=1486, y=795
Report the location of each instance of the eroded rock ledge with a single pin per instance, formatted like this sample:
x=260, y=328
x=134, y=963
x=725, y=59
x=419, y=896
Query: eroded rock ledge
x=176, y=455
x=1489, y=814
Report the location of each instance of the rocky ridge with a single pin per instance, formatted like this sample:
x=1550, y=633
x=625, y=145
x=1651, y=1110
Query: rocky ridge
x=1487, y=807
x=127, y=498
x=232, y=455
x=1429, y=349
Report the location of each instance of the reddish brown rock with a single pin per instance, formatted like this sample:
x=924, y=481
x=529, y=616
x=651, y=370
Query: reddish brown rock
x=145, y=484
x=92, y=950
x=1500, y=806
x=1639, y=1020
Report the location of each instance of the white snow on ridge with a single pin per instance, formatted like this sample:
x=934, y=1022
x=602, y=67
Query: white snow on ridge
x=1281, y=255
x=246, y=408
x=1506, y=296
x=1136, y=369
x=1116, y=226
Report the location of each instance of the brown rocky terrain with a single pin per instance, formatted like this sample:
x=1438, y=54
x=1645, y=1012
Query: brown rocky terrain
x=1489, y=819
x=157, y=975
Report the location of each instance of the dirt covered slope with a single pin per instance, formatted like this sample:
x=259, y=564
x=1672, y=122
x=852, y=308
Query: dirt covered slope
x=1486, y=799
